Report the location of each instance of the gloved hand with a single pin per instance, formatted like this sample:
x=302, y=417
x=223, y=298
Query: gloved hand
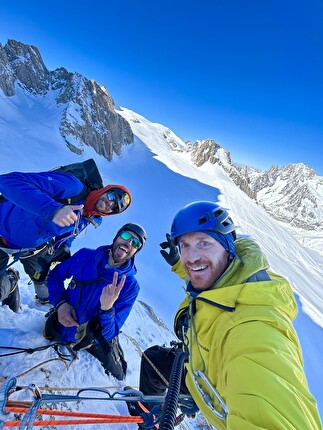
x=86, y=333
x=172, y=256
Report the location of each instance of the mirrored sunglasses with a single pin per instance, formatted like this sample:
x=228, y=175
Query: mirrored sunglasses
x=113, y=198
x=135, y=243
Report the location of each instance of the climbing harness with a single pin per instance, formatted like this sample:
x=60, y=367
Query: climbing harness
x=19, y=254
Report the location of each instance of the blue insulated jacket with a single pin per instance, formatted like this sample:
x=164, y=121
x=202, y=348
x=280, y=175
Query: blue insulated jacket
x=26, y=216
x=88, y=265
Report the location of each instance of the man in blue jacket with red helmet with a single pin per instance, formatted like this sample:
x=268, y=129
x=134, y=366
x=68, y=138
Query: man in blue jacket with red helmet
x=101, y=293
x=37, y=228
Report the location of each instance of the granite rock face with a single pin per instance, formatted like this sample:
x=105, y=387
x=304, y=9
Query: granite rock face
x=292, y=194
x=88, y=115
x=208, y=150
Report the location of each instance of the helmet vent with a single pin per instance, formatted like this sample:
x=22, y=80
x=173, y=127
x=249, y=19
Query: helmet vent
x=218, y=212
x=202, y=220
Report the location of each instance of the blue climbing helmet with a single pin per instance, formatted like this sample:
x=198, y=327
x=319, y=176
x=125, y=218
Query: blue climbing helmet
x=207, y=217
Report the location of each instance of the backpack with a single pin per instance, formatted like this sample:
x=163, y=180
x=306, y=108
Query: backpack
x=86, y=171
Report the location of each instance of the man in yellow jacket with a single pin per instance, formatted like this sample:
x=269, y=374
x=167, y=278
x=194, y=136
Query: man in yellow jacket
x=236, y=324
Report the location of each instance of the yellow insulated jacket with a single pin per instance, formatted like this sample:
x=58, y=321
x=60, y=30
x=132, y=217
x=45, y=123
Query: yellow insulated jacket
x=240, y=336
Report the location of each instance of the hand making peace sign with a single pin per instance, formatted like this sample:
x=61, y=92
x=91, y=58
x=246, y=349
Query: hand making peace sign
x=111, y=292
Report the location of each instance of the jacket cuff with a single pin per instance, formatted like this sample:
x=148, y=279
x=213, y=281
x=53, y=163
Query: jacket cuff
x=59, y=304
x=102, y=311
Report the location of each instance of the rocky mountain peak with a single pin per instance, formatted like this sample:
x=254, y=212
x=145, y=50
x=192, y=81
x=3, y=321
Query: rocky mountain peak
x=298, y=171
x=22, y=64
x=292, y=194
x=208, y=150
x=88, y=115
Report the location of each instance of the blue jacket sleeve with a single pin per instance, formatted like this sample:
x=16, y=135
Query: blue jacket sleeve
x=36, y=192
x=112, y=321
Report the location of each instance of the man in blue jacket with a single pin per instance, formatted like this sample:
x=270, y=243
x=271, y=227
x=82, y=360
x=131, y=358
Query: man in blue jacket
x=37, y=228
x=101, y=293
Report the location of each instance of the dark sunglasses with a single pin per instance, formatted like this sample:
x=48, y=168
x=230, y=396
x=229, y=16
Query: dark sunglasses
x=113, y=198
x=135, y=243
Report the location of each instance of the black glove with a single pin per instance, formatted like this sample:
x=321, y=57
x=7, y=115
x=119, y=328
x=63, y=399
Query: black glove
x=172, y=256
x=86, y=333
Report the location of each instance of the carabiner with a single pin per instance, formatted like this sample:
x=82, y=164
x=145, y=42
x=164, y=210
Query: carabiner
x=221, y=414
x=35, y=390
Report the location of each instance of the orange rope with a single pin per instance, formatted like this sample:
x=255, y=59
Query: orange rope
x=92, y=418
x=111, y=419
x=22, y=409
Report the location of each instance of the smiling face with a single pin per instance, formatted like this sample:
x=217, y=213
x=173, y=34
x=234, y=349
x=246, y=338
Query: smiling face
x=104, y=204
x=121, y=250
x=203, y=258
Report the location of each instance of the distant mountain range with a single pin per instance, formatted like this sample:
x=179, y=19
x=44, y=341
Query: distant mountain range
x=292, y=194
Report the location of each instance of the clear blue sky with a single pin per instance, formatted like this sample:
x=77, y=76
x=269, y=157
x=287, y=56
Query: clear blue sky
x=247, y=74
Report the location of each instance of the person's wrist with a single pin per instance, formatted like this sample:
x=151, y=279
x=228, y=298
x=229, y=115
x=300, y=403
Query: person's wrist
x=175, y=260
x=59, y=304
x=106, y=310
